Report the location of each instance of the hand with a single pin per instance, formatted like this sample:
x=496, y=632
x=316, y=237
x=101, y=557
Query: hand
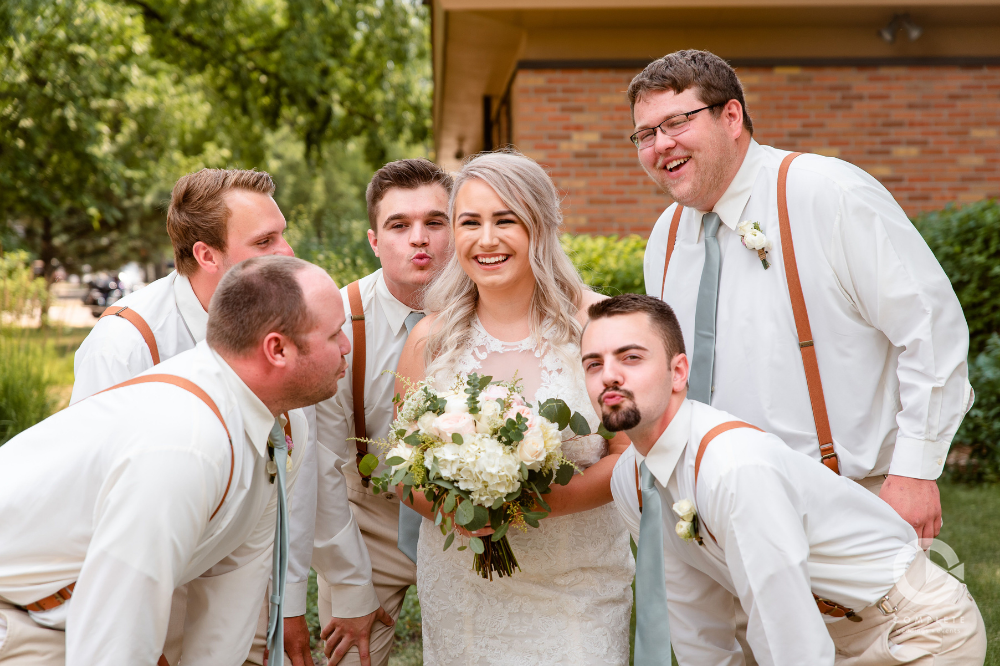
x=341, y=634
x=918, y=501
x=297, y=641
x=481, y=532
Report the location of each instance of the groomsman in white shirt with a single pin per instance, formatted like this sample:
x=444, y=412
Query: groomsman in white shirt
x=364, y=581
x=216, y=219
x=113, y=503
x=829, y=573
x=851, y=348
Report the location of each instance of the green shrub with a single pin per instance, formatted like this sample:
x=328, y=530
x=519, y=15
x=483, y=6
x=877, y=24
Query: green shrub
x=609, y=264
x=21, y=293
x=966, y=241
x=24, y=385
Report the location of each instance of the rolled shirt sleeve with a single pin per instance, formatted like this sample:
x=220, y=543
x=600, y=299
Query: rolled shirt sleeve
x=898, y=286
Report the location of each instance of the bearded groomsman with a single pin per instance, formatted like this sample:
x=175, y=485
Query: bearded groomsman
x=216, y=219
x=848, y=344
x=364, y=581
x=164, y=481
x=830, y=574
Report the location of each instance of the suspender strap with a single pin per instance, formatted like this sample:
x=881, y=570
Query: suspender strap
x=816, y=397
x=133, y=317
x=199, y=393
x=671, y=241
x=358, y=372
x=638, y=488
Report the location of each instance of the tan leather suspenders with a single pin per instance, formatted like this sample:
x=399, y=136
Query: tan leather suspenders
x=136, y=320
x=816, y=398
x=358, y=373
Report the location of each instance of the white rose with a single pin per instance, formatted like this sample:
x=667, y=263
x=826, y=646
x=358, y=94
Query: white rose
x=426, y=424
x=450, y=423
x=768, y=246
x=494, y=392
x=551, y=435
x=685, y=530
x=456, y=401
x=744, y=227
x=489, y=413
x=531, y=450
x=684, y=510
x=754, y=240
x=404, y=451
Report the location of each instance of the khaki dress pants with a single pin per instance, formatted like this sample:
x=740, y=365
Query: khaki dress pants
x=872, y=484
x=931, y=620
x=392, y=573
x=30, y=644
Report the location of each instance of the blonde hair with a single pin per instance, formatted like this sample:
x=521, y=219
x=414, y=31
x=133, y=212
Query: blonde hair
x=528, y=192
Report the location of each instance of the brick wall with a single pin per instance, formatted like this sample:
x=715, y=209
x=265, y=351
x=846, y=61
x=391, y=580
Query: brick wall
x=931, y=135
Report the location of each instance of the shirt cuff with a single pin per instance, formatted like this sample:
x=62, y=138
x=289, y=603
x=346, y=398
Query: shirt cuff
x=353, y=600
x=918, y=458
x=295, y=598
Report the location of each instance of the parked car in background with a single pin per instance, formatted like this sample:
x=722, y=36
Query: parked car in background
x=106, y=288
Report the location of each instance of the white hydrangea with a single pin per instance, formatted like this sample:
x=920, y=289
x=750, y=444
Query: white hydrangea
x=480, y=466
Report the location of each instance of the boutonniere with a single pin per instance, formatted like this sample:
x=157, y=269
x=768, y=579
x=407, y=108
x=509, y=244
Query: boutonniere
x=687, y=526
x=754, y=239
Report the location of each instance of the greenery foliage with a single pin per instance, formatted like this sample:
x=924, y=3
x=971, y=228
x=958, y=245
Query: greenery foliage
x=966, y=243
x=21, y=293
x=24, y=384
x=609, y=264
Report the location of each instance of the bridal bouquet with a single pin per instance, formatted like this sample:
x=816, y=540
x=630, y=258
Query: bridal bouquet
x=482, y=455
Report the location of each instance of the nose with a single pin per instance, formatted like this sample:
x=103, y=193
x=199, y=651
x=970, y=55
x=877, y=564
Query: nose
x=282, y=247
x=345, y=344
x=419, y=236
x=611, y=374
x=662, y=143
x=488, y=237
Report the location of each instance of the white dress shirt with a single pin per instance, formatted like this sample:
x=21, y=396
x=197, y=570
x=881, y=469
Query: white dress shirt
x=340, y=555
x=786, y=528
x=115, y=351
x=890, y=336
x=117, y=494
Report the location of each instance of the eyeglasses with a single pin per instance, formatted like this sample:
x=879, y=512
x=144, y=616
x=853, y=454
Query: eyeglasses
x=672, y=126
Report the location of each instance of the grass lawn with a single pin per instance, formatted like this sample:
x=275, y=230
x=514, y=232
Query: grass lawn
x=971, y=528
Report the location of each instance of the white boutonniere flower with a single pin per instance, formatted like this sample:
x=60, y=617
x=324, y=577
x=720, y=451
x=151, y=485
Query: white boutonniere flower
x=687, y=526
x=754, y=239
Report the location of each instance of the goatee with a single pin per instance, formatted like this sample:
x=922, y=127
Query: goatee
x=625, y=417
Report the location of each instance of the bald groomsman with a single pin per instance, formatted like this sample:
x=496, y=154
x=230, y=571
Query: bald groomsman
x=115, y=502
x=829, y=573
x=216, y=218
x=362, y=583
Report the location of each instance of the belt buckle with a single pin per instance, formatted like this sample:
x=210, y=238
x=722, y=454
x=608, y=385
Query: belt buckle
x=885, y=606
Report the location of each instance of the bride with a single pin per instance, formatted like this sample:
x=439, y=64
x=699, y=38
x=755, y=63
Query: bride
x=510, y=301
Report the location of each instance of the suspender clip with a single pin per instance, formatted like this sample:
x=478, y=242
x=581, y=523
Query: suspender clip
x=807, y=343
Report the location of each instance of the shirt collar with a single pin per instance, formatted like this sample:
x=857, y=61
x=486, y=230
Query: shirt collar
x=395, y=311
x=736, y=196
x=663, y=456
x=257, y=418
x=192, y=312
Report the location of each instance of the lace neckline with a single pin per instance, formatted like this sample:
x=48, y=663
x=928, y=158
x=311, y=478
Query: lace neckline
x=518, y=345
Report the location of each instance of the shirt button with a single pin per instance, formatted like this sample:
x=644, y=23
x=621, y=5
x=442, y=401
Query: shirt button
x=390, y=496
x=939, y=461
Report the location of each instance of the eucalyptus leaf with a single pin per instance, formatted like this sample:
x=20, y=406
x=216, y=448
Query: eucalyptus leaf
x=449, y=540
x=413, y=439
x=461, y=547
x=500, y=532
x=579, y=424
x=604, y=432
x=391, y=462
x=477, y=546
x=564, y=474
x=438, y=518
x=498, y=503
x=449, y=502
x=456, y=438
x=481, y=516
x=531, y=521
x=368, y=464
x=465, y=513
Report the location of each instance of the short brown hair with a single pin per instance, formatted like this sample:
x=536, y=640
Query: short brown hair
x=711, y=76
x=405, y=174
x=198, y=210
x=258, y=296
x=660, y=315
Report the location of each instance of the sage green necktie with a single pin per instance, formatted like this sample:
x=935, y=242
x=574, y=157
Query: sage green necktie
x=409, y=520
x=703, y=357
x=652, y=624
x=279, y=561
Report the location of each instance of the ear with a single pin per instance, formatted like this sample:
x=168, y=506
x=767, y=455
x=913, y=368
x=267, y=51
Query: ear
x=732, y=115
x=373, y=241
x=208, y=258
x=679, y=369
x=277, y=349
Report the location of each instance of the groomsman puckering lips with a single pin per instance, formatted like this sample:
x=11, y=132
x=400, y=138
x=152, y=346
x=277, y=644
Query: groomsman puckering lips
x=827, y=572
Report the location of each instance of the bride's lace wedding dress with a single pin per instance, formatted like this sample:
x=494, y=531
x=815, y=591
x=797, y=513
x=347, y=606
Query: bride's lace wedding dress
x=571, y=601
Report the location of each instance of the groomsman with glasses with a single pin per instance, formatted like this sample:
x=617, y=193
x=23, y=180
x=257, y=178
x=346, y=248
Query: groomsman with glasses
x=362, y=581
x=719, y=508
x=171, y=479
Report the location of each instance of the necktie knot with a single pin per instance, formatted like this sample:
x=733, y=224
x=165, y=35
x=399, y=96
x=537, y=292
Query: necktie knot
x=411, y=320
x=648, y=480
x=711, y=222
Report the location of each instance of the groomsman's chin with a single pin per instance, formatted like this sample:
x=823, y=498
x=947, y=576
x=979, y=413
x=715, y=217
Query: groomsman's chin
x=618, y=409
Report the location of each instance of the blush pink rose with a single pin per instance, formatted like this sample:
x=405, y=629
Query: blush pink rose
x=523, y=411
x=494, y=392
x=455, y=422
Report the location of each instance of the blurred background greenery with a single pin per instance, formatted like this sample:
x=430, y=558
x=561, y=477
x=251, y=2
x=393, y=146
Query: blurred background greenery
x=105, y=103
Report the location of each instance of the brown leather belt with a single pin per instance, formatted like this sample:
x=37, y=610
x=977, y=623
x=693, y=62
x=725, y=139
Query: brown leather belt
x=54, y=600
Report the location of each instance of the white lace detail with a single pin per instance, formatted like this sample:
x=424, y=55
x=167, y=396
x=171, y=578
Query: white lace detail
x=571, y=601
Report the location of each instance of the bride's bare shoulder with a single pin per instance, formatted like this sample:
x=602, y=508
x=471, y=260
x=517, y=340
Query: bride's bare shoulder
x=588, y=299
